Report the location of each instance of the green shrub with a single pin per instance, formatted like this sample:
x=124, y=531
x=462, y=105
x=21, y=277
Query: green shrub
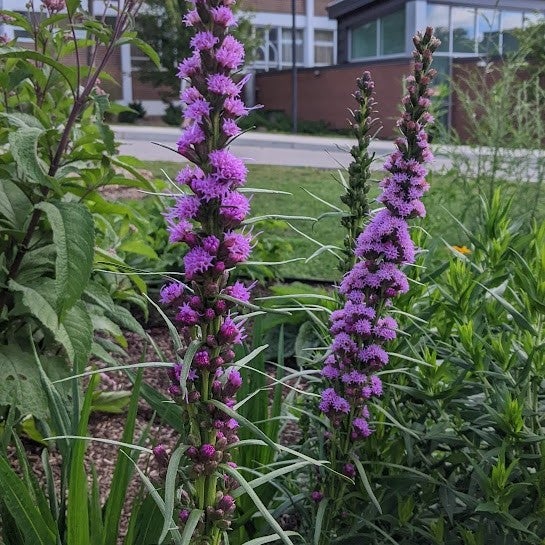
x=172, y=115
x=135, y=112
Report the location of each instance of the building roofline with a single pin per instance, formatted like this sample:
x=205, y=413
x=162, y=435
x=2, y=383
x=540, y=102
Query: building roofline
x=338, y=8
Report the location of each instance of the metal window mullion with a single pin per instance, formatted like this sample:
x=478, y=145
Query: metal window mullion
x=500, y=38
x=450, y=33
x=378, y=37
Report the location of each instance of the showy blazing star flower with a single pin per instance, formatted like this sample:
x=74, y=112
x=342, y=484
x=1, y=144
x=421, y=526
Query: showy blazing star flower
x=206, y=218
x=54, y=6
x=360, y=329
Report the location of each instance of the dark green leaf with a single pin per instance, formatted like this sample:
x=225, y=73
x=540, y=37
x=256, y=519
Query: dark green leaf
x=73, y=233
x=14, y=204
x=24, y=148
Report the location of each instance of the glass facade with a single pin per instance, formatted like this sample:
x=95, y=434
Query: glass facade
x=464, y=30
x=488, y=31
x=275, y=49
x=381, y=37
x=324, y=47
x=392, y=33
x=364, y=41
x=511, y=21
x=439, y=17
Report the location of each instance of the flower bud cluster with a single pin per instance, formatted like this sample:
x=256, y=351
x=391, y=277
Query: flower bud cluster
x=360, y=330
x=206, y=217
x=54, y=6
x=359, y=170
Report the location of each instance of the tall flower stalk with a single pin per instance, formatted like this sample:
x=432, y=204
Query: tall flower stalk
x=359, y=170
x=362, y=327
x=206, y=219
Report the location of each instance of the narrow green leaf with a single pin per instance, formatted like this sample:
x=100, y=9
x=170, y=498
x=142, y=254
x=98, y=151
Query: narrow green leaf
x=264, y=479
x=50, y=483
x=245, y=422
x=95, y=511
x=122, y=471
x=77, y=514
x=174, y=335
x=176, y=536
x=170, y=489
x=190, y=525
x=60, y=418
x=322, y=200
x=258, y=503
x=22, y=507
x=366, y=484
x=186, y=365
x=257, y=219
x=318, y=523
x=113, y=442
x=269, y=539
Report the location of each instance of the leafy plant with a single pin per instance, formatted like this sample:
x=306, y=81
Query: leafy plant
x=57, y=156
x=67, y=510
x=134, y=112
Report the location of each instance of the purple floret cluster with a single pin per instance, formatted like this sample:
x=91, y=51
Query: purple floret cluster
x=206, y=217
x=361, y=329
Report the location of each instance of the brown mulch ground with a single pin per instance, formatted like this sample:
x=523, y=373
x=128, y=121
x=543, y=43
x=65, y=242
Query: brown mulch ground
x=110, y=426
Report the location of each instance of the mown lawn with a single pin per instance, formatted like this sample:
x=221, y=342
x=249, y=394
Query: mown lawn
x=447, y=203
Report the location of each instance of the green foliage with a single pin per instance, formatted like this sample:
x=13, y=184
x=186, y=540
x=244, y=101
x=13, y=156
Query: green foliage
x=506, y=143
x=57, y=157
x=172, y=115
x=279, y=121
x=161, y=26
x=134, y=112
x=456, y=457
x=66, y=510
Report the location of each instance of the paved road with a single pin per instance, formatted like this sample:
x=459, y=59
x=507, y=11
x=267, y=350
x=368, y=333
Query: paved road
x=257, y=147
x=328, y=152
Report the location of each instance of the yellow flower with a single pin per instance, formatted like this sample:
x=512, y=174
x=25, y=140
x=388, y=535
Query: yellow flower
x=462, y=249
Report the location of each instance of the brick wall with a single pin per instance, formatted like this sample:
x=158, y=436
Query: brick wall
x=274, y=6
x=113, y=68
x=319, y=7
x=325, y=93
x=146, y=91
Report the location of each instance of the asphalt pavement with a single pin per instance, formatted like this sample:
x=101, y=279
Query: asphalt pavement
x=330, y=152
x=260, y=148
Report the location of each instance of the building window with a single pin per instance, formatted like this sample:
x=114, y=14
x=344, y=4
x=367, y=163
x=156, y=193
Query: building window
x=469, y=31
x=488, y=31
x=364, y=41
x=138, y=59
x=384, y=36
x=532, y=18
x=463, y=30
x=510, y=22
x=274, y=51
x=439, y=18
x=392, y=33
x=324, y=47
x=287, y=46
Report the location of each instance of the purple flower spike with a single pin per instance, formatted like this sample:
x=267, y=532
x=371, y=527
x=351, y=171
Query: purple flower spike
x=360, y=329
x=205, y=217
